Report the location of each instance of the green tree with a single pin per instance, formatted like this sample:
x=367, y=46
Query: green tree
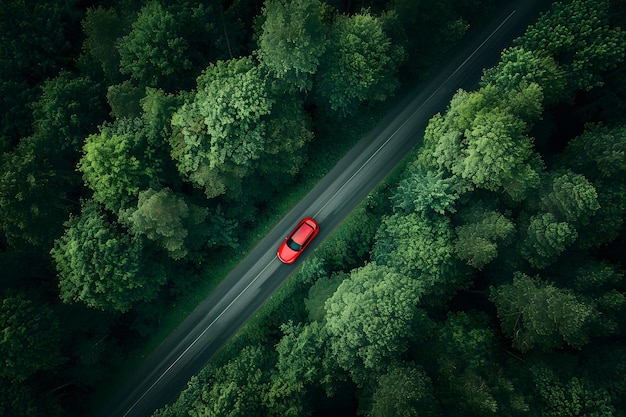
x=545, y=239
x=289, y=130
x=599, y=153
x=292, y=40
x=420, y=247
x=477, y=240
x=32, y=206
x=301, y=368
x=425, y=192
x=102, y=28
x=319, y=292
x=165, y=218
x=572, y=33
x=69, y=108
x=576, y=396
x=571, y=197
x=371, y=319
x=359, y=65
x=223, y=128
x=116, y=164
x=470, y=380
x=497, y=151
x=154, y=52
x=519, y=67
x=102, y=266
x=30, y=339
x=538, y=314
x=404, y=391
x=236, y=389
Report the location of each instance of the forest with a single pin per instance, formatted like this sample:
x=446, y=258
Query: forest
x=140, y=140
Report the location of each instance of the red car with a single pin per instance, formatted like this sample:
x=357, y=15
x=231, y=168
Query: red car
x=298, y=240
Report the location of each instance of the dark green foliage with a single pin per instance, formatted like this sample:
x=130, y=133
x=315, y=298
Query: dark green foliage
x=292, y=40
x=578, y=36
x=577, y=396
x=154, y=52
x=359, y=65
x=30, y=338
x=405, y=391
x=103, y=267
x=478, y=239
x=536, y=313
x=189, y=106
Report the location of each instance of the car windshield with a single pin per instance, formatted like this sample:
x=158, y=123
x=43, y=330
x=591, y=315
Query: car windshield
x=293, y=245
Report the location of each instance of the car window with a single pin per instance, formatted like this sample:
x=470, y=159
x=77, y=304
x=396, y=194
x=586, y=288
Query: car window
x=293, y=245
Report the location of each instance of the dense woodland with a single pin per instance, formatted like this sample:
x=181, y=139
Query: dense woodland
x=140, y=139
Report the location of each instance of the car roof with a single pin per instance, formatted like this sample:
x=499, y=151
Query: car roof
x=302, y=233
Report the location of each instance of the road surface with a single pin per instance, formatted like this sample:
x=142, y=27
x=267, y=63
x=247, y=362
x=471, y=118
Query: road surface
x=185, y=352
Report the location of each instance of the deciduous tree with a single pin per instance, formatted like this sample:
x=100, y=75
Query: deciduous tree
x=371, y=319
x=102, y=266
x=537, y=314
x=292, y=40
x=154, y=51
x=404, y=391
x=223, y=128
x=30, y=339
x=360, y=64
x=545, y=239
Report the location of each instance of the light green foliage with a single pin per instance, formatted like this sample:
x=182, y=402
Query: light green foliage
x=371, y=318
x=571, y=197
x=576, y=396
x=546, y=238
x=154, y=49
x=101, y=266
x=115, y=165
x=420, y=247
x=496, y=150
x=165, y=218
x=223, y=128
x=537, y=314
x=578, y=36
x=237, y=388
x=482, y=140
x=360, y=63
x=519, y=67
x=404, y=391
x=477, y=240
x=424, y=192
x=292, y=40
x=29, y=340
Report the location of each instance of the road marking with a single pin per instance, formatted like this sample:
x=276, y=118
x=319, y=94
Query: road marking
x=169, y=368
x=413, y=114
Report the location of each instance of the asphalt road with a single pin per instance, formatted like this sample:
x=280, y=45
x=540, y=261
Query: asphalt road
x=185, y=352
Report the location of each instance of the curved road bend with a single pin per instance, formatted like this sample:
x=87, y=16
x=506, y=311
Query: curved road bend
x=185, y=352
